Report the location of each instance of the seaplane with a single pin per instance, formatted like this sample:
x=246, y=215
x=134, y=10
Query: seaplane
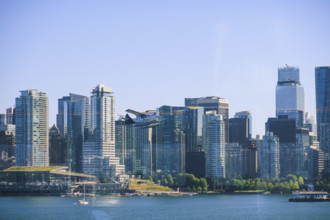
x=142, y=120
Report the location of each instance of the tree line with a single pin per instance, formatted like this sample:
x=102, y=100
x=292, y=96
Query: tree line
x=190, y=183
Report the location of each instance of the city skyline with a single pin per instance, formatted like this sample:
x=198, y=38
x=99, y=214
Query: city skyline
x=169, y=50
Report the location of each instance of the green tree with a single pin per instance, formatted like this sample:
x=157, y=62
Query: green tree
x=188, y=189
x=164, y=182
x=203, y=184
x=199, y=189
x=300, y=181
x=295, y=186
x=169, y=179
x=194, y=189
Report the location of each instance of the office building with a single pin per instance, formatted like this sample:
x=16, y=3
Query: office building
x=238, y=130
x=73, y=121
x=213, y=103
x=193, y=128
x=247, y=115
x=32, y=129
x=322, y=91
x=170, y=140
x=10, y=116
x=2, y=119
x=310, y=123
x=233, y=160
x=249, y=159
x=285, y=129
x=290, y=96
x=7, y=146
x=57, y=148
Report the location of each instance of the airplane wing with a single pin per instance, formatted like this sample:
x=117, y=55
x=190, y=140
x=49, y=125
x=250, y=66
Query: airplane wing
x=136, y=113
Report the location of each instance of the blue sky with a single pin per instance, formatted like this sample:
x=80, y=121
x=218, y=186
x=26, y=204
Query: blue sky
x=159, y=52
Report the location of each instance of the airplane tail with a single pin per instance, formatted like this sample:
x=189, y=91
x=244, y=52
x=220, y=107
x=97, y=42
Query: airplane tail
x=128, y=120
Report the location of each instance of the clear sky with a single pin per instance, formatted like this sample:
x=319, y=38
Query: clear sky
x=155, y=53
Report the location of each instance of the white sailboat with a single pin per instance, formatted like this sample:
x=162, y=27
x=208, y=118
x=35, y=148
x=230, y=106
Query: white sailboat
x=83, y=202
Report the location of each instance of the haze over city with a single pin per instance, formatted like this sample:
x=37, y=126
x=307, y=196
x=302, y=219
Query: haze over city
x=157, y=53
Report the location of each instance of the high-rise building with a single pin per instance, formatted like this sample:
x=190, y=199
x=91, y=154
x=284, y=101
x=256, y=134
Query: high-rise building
x=270, y=156
x=32, y=129
x=233, y=160
x=134, y=147
x=258, y=144
x=170, y=140
x=57, y=148
x=249, y=159
x=285, y=130
x=99, y=157
x=310, y=123
x=193, y=128
x=213, y=103
x=7, y=146
x=247, y=115
x=316, y=159
x=214, y=144
x=2, y=119
x=73, y=120
x=238, y=130
x=322, y=90
x=10, y=116
x=120, y=137
x=290, y=96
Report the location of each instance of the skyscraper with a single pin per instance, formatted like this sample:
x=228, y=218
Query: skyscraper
x=10, y=116
x=238, y=130
x=193, y=128
x=322, y=91
x=73, y=120
x=248, y=116
x=270, y=156
x=214, y=144
x=213, y=103
x=290, y=96
x=99, y=151
x=285, y=130
x=2, y=119
x=32, y=129
x=170, y=140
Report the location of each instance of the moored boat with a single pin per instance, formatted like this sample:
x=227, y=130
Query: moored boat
x=309, y=196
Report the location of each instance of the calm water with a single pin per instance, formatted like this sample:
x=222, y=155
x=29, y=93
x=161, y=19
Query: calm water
x=197, y=207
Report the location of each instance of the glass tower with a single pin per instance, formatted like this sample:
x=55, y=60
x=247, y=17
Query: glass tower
x=322, y=90
x=170, y=140
x=290, y=95
x=73, y=123
x=32, y=129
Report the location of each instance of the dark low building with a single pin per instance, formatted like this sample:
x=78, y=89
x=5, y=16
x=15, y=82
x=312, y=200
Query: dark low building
x=57, y=148
x=195, y=163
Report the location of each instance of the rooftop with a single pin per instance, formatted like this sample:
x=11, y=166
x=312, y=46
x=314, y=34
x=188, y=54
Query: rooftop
x=31, y=169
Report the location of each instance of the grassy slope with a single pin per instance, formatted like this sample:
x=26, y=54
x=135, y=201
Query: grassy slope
x=148, y=186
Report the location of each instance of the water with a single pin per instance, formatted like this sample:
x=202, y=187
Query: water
x=196, y=207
